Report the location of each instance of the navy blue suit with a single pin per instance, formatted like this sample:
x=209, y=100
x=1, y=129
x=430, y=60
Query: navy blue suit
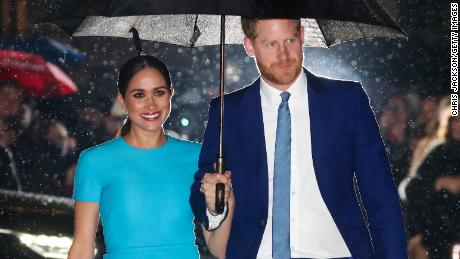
x=345, y=141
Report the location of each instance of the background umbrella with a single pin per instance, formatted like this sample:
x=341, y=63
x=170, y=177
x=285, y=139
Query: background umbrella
x=53, y=51
x=338, y=18
x=37, y=77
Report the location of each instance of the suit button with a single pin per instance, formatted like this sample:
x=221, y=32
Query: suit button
x=262, y=222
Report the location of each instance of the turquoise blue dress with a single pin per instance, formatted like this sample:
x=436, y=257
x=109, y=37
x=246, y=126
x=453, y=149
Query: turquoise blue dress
x=143, y=197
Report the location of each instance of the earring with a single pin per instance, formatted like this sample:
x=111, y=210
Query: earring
x=125, y=111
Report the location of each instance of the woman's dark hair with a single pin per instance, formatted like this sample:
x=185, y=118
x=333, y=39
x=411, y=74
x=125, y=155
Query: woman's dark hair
x=130, y=69
x=10, y=83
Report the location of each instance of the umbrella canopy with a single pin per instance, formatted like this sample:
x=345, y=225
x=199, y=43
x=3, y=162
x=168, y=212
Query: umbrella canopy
x=204, y=30
x=68, y=14
x=37, y=77
x=53, y=51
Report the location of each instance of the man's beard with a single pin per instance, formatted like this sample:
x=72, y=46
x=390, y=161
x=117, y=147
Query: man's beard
x=278, y=77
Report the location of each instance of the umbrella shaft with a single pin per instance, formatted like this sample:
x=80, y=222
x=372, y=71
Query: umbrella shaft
x=222, y=80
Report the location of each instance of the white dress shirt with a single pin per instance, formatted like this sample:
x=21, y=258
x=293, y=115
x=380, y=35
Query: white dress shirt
x=313, y=233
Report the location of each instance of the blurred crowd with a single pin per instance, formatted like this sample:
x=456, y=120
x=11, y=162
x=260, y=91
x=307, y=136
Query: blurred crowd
x=38, y=154
x=422, y=140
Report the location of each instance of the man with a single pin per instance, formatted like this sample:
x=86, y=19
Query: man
x=294, y=142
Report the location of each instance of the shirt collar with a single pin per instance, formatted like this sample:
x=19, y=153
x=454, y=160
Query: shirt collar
x=298, y=90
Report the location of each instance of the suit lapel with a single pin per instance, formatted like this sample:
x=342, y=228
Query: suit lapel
x=255, y=141
x=319, y=111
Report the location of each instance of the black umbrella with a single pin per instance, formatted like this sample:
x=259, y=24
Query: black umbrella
x=336, y=21
x=204, y=30
x=70, y=13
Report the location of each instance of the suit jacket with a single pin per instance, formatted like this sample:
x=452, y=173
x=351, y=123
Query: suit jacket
x=345, y=143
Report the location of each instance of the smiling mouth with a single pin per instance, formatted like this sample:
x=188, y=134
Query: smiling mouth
x=150, y=116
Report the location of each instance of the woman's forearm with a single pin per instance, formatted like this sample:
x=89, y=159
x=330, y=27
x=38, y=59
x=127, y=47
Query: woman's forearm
x=217, y=239
x=86, y=222
x=79, y=251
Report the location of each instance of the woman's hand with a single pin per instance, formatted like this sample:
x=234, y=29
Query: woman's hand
x=448, y=183
x=217, y=239
x=208, y=188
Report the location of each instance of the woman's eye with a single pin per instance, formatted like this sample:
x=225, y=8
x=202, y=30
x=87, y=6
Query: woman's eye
x=138, y=95
x=159, y=92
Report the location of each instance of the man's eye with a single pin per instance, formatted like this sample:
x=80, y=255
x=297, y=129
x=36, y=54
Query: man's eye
x=291, y=40
x=138, y=95
x=271, y=44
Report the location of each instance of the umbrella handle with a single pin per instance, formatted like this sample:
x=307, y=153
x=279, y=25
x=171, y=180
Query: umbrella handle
x=137, y=41
x=220, y=187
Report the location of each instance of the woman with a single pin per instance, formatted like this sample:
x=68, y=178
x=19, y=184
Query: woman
x=436, y=132
x=435, y=135
x=433, y=211
x=139, y=182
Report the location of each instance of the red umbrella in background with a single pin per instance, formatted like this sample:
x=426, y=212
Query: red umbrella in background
x=37, y=77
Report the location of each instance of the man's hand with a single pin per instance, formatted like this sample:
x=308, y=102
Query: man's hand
x=208, y=188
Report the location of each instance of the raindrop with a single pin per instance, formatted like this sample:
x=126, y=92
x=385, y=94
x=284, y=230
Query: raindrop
x=180, y=50
x=179, y=74
x=354, y=63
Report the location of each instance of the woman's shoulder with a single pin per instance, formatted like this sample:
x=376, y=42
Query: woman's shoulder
x=186, y=145
x=103, y=150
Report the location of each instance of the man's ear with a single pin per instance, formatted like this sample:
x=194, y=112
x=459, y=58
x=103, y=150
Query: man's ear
x=249, y=46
